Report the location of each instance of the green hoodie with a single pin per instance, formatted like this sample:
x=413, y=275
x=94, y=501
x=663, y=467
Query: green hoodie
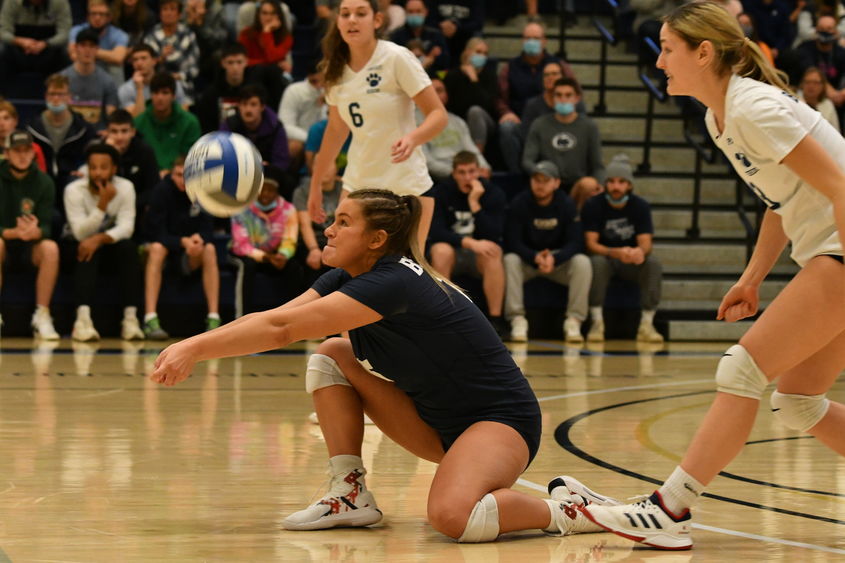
x=34, y=194
x=169, y=138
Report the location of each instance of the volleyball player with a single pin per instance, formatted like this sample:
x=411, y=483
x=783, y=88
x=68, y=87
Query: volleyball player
x=793, y=159
x=371, y=89
x=448, y=390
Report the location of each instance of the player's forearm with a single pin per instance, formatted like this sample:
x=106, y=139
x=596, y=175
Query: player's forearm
x=431, y=126
x=770, y=243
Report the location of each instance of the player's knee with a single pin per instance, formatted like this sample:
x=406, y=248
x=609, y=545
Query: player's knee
x=739, y=375
x=481, y=524
x=799, y=412
x=323, y=371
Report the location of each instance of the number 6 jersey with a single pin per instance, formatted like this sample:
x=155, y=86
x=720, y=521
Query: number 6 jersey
x=377, y=105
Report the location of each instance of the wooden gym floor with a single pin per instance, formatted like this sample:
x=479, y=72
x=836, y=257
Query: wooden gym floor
x=99, y=464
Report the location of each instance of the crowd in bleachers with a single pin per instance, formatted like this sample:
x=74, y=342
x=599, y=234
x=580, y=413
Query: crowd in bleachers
x=130, y=85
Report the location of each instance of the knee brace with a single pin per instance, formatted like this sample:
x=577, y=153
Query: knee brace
x=483, y=523
x=323, y=371
x=799, y=412
x=737, y=374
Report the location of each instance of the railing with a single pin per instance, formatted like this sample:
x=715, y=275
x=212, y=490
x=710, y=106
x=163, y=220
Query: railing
x=608, y=38
x=704, y=152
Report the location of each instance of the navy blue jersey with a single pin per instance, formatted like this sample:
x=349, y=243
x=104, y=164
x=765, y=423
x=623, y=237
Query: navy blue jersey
x=438, y=348
x=617, y=227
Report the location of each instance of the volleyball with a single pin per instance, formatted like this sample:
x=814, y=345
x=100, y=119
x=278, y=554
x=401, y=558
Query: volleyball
x=223, y=173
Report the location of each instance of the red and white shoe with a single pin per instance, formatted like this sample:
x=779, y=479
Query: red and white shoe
x=648, y=522
x=347, y=504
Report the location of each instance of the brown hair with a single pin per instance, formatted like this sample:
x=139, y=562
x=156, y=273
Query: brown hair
x=279, y=34
x=399, y=217
x=811, y=70
x=57, y=81
x=9, y=108
x=697, y=22
x=464, y=157
x=336, y=51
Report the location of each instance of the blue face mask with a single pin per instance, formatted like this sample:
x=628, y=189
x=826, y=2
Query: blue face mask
x=621, y=201
x=532, y=46
x=415, y=20
x=564, y=108
x=56, y=108
x=267, y=208
x=478, y=60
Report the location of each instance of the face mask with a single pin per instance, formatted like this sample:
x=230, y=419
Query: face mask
x=622, y=200
x=267, y=208
x=748, y=31
x=478, y=60
x=826, y=38
x=414, y=20
x=56, y=108
x=564, y=108
x=532, y=46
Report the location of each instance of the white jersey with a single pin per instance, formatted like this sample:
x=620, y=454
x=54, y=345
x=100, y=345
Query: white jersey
x=762, y=126
x=376, y=104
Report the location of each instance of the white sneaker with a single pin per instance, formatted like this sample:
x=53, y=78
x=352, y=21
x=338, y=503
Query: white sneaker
x=572, y=330
x=347, y=504
x=84, y=331
x=568, y=488
x=568, y=520
x=130, y=329
x=42, y=325
x=519, y=329
x=596, y=333
x=647, y=522
x=647, y=333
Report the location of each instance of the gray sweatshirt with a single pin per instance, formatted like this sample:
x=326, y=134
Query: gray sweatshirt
x=574, y=147
x=52, y=15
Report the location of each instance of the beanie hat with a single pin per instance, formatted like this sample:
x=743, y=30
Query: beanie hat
x=620, y=167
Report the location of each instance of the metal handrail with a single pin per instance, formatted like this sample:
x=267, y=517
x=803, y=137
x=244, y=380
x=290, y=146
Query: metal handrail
x=607, y=39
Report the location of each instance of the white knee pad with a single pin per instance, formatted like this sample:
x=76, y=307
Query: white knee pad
x=323, y=371
x=737, y=374
x=483, y=523
x=799, y=412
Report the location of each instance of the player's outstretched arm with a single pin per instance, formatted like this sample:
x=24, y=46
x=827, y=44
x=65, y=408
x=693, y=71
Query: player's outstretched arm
x=259, y=332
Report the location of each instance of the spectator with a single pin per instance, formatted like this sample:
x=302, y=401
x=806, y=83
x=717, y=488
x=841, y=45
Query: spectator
x=466, y=232
x=35, y=35
x=543, y=237
x=219, y=101
x=774, y=24
x=584, y=189
x=8, y=124
x=180, y=234
x=62, y=134
x=827, y=55
x=93, y=93
x=134, y=94
x=435, y=52
x=166, y=127
x=133, y=17
x=520, y=79
x=749, y=29
x=261, y=125
x=205, y=19
x=441, y=150
x=101, y=216
x=459, y=20
x=543, y=104
x=268, y=40
x=136, y=162
x=567, y=138
x=26, y=214
x=112, y=44
x=813, y=91
x=176, y=45
x=618, y=232
x=264, y=238
x=302, y=106
x=312, y=145
x=313, y=237
x=473, y=90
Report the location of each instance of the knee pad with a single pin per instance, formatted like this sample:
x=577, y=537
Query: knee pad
x=483, y=523
x=799, y=412
x=323, y=371
x=737, y=374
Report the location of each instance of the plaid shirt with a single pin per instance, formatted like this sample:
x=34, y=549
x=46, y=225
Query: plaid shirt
x=184, y=59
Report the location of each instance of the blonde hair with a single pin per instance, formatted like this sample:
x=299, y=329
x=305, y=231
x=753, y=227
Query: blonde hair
x=470, y=48
x=703, y=20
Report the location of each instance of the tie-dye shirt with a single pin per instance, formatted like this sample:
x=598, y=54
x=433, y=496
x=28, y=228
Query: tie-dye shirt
x=273, y=232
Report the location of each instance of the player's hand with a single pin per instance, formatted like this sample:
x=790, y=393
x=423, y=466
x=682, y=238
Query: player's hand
x=402, y=149
x=173, y=365
x=314, y=260
x=740, y=302
x=315, y=205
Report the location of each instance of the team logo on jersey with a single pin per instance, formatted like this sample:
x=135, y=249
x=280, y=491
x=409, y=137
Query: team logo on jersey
x=750, y=169
x=373, y=80
x=564, y=141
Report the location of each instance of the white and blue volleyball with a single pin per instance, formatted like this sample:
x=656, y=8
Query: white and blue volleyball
x=223, y=173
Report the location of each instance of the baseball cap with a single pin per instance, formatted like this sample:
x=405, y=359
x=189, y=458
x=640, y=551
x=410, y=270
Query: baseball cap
x=546, y=168
x=18, y=138
x=88, y=35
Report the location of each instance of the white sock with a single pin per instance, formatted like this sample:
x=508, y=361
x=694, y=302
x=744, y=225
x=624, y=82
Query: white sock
x=214, y=316
x=42, y=308
x=83, y=312
x=647, y=317
x=342, y=465
x=554, y=506
x=596, y=314
x=130, y=312
x=150, y=316
x=680, y=491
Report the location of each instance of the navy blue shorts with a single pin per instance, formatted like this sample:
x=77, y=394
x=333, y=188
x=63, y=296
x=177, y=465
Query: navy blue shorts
x=529, y=427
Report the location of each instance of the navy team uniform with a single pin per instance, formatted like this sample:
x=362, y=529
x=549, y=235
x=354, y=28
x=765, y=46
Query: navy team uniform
x=439, y=349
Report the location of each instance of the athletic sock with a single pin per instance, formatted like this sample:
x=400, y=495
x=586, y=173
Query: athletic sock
x=596, y=314
x=150, y=316
x=130, y=312
x=214, y=315
x=680, y=491
x=647, y=317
